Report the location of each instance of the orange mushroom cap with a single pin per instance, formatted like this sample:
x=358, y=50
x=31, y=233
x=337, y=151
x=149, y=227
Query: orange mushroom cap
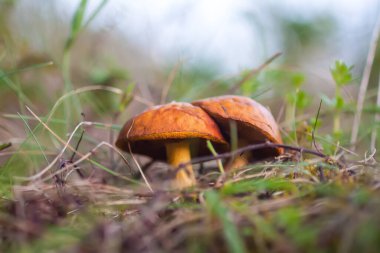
x=148, y=132
x=254, y=122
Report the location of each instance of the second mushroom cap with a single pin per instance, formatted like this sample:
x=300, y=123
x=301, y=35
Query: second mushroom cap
x=254, y=122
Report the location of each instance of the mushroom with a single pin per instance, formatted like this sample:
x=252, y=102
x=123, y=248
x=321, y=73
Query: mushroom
x=167, y=132
x=254, y=122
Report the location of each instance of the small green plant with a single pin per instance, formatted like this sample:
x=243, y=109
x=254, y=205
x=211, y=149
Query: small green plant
x=297, y=100
x=251, y=86
x=342, y=76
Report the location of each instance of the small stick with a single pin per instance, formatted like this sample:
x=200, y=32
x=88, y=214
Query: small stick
x=315, y=126
x=364, y=83
x=134, y=159
x=78, y=170
x=169, y=83
x=139, y=168
x=377, y=120
x=77, y=146
x=144, y=168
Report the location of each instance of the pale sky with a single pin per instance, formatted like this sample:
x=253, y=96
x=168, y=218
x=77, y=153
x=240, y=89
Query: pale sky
x=215, y=29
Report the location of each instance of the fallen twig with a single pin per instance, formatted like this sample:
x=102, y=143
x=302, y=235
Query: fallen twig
x=251, y=148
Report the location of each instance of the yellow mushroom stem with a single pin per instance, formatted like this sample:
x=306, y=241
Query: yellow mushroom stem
x=240, y=160
x=177, y=153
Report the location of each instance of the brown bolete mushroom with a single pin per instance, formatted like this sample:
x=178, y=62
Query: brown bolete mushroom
x=254, y=122
x=167, y=132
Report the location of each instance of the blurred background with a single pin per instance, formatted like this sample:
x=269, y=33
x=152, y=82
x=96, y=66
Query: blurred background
x=103, y=61
x=177, y=50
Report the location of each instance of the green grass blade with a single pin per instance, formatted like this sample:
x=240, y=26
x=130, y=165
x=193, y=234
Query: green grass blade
x=5, y=146
x=95, y=13
x=28, y=68
x=34, y=137
x=8, y=82
x=230, y=231
x=62, y=121
x=76, y=24
x=214, y=153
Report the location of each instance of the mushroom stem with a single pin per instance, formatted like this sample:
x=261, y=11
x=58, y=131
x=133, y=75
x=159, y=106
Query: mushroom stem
x=240, y=160
x=177, y=153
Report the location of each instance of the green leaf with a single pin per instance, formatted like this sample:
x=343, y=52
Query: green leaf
x=291, y=98
x=339, y=102
x=328, y=101
x=250, y=86
x=341, y=73
x=303, y=99
x=299, y=98
x=297, y=79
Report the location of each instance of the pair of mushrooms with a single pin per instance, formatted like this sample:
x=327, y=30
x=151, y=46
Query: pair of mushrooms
x=173, y=131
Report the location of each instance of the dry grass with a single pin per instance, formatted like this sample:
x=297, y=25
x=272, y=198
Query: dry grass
x=281, y=206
